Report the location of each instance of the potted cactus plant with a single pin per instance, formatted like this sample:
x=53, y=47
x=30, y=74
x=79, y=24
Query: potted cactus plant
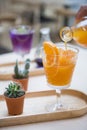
x=14, y=96
x=21, y=75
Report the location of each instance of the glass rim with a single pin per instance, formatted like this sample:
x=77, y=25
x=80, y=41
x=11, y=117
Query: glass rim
x=29, y=28
x=60, y=45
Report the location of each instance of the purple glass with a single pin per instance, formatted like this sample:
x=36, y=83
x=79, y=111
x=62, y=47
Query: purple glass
x=21, y=37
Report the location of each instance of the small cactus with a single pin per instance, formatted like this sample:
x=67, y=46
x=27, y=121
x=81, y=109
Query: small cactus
x=22, y=73
x=14, y=90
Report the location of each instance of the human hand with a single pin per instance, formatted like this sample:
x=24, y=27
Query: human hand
x=82, y=12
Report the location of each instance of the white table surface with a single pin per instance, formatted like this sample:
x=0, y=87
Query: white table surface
x=79, y=82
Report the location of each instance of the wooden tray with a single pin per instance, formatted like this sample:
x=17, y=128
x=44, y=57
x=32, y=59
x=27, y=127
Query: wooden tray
x=6, y=72
x=35, y=107
x=7, y=69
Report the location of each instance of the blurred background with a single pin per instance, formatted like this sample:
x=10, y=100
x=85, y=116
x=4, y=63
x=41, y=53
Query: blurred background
x=53, y=14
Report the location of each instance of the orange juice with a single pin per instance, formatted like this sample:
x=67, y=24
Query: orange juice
x=78, y=32
x=80, y=36
x=59, y=64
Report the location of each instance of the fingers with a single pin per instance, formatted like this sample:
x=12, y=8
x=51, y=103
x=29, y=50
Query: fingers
x=82, y=12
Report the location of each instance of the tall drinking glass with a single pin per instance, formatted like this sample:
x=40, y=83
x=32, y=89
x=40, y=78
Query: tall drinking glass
x=59, y=70
x=21, y=37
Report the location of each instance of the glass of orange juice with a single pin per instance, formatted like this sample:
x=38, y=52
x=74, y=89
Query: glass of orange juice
x=59, y=63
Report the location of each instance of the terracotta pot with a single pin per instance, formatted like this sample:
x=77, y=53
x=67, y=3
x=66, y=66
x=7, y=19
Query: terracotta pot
x=23, y=82
x=15, y=105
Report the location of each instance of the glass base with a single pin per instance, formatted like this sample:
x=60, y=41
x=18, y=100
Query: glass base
x=58, y=105
x=55, y=107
